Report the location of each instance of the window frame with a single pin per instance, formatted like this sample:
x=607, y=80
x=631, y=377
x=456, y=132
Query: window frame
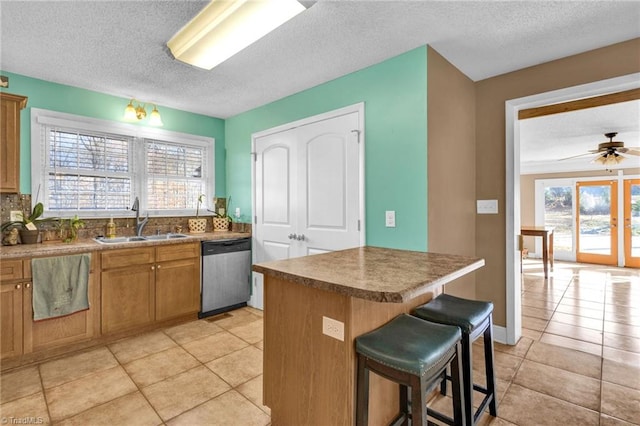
x=42, y=119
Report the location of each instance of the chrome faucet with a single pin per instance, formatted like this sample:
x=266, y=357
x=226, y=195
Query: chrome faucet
x=139, y=223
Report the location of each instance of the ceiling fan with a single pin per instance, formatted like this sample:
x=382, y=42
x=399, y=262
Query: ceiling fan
x=609, y=153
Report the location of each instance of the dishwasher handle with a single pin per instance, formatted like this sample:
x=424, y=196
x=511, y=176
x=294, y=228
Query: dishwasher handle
x=210, y=248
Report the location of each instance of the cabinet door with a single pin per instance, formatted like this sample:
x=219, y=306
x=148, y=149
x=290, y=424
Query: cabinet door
x=11, y=319
x=128, y=298
x=70, y=328
x=10, y=142
x=177, y=288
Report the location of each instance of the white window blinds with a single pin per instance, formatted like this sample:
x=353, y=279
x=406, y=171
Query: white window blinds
x=87, y=171
x=175, y=176
x=96, y=168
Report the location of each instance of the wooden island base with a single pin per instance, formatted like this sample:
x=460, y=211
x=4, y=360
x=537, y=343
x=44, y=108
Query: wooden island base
x=310, y=378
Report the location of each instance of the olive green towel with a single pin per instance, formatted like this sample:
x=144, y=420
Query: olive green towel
x=60, y=285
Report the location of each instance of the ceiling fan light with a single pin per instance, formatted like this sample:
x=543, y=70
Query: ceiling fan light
x=601, y=159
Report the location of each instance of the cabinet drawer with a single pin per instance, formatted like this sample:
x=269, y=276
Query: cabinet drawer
x=127, y=257
x=11, y=269
x=178, y=251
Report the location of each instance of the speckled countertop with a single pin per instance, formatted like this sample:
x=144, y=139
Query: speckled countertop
x=373, y=273
x=88, y=245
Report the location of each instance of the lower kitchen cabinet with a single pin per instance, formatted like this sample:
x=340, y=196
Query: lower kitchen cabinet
x=20, y=334
x=149, y=284
x=128, y=298
x=177, y=288
x=11, y=319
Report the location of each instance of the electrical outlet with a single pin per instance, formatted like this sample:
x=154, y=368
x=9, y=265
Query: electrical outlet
x=333, y=328
x=15, y=215
x=237, y=212
x=390, y=219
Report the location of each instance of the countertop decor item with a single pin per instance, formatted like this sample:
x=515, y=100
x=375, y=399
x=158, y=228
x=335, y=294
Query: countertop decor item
x=198, y=225
x=28, y=226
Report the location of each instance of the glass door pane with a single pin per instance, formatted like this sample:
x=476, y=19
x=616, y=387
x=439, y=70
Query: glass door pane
x=597, y=222
x=558, y=214
x=632, y=222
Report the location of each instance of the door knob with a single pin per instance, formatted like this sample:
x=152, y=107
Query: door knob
x=300, y=237
x=293, y=237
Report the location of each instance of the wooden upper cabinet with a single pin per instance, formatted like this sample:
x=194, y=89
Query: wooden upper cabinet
x=10, y=141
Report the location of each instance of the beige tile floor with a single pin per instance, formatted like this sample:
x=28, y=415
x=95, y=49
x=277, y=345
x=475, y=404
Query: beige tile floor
x=578, y=363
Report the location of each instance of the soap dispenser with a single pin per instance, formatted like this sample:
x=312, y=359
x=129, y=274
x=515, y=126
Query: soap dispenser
x=111, y=229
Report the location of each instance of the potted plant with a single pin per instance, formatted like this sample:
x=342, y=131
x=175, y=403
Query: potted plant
x=73, y=225
x=198, y=225
x=221, y=218
x=28, y=226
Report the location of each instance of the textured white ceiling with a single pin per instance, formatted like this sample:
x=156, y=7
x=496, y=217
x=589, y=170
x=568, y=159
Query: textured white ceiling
x=545, y=142
x=117, y=47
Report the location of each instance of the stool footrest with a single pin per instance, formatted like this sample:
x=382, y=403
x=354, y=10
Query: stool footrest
x=441, y=417
x=483, y=405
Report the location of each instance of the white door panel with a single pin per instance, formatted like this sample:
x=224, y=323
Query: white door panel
x=308, y=189
x=273, y=250
x=330, y=183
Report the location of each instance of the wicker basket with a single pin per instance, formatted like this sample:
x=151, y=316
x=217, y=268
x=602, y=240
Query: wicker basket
x=220, y=224
x=197, y=226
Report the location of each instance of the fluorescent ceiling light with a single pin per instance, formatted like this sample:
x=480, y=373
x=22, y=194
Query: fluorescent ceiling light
x=225, y=27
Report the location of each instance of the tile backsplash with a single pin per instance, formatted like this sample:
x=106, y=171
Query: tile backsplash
x=125, y=226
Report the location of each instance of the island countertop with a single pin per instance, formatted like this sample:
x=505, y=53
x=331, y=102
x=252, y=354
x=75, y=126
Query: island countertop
x=373, y=273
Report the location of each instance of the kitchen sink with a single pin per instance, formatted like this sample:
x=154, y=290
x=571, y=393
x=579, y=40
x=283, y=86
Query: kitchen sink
x=169, y=236
x=120, y=240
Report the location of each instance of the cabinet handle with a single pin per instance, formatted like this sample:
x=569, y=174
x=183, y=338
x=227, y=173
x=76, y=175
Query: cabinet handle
x=27, y=285
x=158, y=266
x=18, y=286
x=153, y=267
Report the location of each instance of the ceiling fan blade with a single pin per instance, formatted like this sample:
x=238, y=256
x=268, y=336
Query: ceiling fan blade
x=633, y=151
x=575, y=156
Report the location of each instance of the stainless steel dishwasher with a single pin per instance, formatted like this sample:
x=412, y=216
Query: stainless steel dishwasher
x=225, y=282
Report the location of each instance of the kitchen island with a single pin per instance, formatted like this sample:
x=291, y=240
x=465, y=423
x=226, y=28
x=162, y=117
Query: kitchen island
x=309, y=376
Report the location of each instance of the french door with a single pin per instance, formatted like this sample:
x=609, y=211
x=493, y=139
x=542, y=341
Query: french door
x=597, y=222
x=632, y=222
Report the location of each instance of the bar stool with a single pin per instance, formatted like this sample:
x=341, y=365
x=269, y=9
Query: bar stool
x=474, y=318
x=414, y=354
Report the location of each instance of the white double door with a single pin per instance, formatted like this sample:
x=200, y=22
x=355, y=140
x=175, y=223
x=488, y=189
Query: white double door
x=308, y=190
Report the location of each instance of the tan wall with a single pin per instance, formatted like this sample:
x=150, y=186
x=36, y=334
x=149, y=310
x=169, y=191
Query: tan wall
x=608, y=62
x=528, y=193
x=451, y=164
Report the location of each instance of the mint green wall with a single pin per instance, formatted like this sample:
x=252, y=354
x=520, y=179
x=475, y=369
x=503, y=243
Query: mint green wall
x=395, y=97
x=72, y=100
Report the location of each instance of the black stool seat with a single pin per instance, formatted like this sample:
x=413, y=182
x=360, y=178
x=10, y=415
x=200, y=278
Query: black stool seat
x=413, y=353
x=451, y=310
x=474, y=318
x=410, y=345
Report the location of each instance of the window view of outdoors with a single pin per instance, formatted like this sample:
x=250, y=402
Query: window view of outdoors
x=635, y=220
x=87, y=172
x=595, y=219
x=558, y=207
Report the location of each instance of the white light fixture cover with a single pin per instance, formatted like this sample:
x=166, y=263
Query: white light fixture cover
x=225, y=27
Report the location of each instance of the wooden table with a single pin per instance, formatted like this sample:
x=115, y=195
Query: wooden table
x=546, y=233
x=309, y=377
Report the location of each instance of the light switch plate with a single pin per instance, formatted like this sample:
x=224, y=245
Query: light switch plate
x=390, y=219
x=15, y=215
x=487, y=206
